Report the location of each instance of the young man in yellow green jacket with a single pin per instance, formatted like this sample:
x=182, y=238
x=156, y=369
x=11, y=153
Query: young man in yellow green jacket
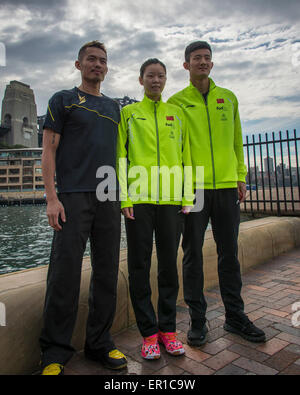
x=216, y=144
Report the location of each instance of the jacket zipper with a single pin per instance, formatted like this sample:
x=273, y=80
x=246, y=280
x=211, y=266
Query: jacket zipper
x=158, y=155
x=211, y=143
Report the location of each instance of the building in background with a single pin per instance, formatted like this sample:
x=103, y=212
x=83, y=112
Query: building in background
x=40, y=121
x=19, y=116
x=21, y=168
x=21, y=173
x=269, y=165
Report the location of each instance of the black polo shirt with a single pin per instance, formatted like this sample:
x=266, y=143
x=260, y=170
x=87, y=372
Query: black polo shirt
x=88, y=126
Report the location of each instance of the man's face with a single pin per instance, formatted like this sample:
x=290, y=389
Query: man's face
x=200, y=64
x=93, y=65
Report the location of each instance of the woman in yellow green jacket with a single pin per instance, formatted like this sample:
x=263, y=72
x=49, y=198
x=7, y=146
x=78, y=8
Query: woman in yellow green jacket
x=155, y=175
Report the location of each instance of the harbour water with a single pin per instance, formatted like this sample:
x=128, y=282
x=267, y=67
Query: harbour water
x=26, y=237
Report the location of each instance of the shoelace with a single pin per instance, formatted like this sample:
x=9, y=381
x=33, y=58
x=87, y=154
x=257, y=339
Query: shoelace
x=116, y=354
x=53, y=369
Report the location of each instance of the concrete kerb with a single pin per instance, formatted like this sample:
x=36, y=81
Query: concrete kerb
x=23, y=293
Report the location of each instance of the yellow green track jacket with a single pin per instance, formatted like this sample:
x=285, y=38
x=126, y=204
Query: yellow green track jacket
x=215, y=135
x=153, y=155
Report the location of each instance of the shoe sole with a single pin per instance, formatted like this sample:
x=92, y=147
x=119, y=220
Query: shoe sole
x=151, y=358
x=124, y=366
x=175, y=353
x=105, y=365
x=261, y=339
x=62, y=373
x=197, y=343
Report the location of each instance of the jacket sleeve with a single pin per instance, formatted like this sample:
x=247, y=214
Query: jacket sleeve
x=122, y=160
x=238, y=145
x=188, y=185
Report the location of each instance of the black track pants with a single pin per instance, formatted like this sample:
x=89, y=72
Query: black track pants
x=167, y=223
x=86, y=218
x=221, y=206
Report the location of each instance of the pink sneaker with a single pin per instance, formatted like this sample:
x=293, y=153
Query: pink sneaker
x=150, y=349
x=169, y=340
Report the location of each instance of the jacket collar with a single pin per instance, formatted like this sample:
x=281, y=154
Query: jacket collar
x=150, y=103
x=212, y=86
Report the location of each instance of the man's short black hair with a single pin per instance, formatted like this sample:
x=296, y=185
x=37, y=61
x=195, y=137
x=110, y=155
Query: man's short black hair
x=194, y=46
x=91, y=44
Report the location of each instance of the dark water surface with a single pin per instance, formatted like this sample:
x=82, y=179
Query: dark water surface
x=26, y=238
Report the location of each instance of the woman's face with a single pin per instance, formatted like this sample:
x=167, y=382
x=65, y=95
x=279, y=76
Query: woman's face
x=154, y=80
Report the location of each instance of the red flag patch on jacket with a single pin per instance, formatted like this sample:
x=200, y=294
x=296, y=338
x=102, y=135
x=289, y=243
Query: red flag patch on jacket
x=170, y=118
x=220, y=101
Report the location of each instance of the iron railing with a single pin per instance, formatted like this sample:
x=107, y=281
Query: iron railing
x=273, y=179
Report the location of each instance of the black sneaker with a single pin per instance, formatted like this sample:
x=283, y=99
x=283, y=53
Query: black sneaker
x=245, y=329
x=197, y=337
x=114, y=359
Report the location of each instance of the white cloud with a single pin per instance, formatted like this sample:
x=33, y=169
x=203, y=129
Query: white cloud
x=255, y=48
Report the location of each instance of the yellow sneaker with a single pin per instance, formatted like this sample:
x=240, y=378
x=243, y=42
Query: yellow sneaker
x=55, y=369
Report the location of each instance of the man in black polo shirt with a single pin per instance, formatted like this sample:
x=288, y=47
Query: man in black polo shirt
x=80, y=134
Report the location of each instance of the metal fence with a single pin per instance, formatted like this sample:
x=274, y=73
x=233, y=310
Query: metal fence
x=273, y=179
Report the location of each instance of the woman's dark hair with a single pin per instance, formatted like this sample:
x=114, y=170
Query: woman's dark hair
x=148, y=62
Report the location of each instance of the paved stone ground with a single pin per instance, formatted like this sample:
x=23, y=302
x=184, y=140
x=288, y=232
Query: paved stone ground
x=270, y=290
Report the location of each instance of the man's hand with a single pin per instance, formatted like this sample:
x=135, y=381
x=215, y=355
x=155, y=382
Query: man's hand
x=128, y=213
x=55, y=209
x=242, y=190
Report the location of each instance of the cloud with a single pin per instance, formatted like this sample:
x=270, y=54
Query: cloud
x=268, y=10
x=290, y=99
x=35, y=5
x=255, y=47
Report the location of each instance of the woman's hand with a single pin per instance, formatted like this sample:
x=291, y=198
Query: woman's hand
x=242, y=191
x=186, y=210
x=128, y=213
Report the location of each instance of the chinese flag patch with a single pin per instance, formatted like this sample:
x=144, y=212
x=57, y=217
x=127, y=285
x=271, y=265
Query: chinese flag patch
x=170, y=118
x=220, y=101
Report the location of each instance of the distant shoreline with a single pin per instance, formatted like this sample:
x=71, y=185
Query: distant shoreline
x=22, y=202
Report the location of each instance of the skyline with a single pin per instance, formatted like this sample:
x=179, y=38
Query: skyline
x=256, y=49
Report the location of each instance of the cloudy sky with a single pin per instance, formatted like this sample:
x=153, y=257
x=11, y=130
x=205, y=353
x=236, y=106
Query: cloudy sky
x=256, y=48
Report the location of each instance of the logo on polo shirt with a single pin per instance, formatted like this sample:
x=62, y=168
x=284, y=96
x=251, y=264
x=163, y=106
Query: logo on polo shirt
x=82, y=99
